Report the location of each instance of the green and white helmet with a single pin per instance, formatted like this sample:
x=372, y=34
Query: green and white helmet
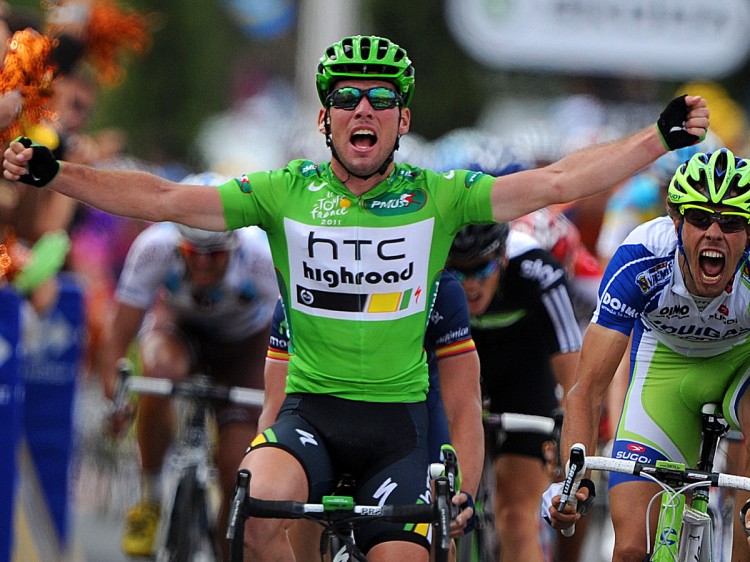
x=365, y=57
x=717, y=178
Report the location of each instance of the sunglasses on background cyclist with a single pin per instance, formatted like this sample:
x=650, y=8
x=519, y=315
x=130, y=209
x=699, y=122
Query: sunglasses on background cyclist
x=702, y=217
x=479, y=272
x=349, y=97
x=189, y=250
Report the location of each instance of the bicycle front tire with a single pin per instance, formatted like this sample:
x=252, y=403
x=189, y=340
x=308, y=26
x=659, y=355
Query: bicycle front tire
x=191, y=536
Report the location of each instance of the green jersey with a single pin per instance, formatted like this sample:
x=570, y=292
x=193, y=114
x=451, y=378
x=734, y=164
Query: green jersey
x=358, y=274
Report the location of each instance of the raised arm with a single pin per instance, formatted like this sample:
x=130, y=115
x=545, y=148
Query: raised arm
x=127, y=193
x=601, y=167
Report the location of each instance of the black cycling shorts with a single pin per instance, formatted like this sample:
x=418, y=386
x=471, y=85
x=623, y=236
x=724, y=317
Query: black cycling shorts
x=383, y=446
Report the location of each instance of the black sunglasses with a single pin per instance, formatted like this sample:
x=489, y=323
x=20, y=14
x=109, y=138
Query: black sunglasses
x=349, y=97
x=702, y=217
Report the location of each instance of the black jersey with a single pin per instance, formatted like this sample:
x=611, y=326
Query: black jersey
x=529, y=320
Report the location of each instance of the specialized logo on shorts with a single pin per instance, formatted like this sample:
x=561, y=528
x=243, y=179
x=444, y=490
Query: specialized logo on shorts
x=244, y=182
x=365, y=273
x=391, y=204
x=651, y=278
x=305, y=437
x=385, y=490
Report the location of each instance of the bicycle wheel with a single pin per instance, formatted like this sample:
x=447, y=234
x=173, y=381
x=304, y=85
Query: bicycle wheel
x=191, y=535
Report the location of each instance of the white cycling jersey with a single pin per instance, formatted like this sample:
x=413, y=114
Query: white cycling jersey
x=683, y=355
x=644, y=287
x=241, y=305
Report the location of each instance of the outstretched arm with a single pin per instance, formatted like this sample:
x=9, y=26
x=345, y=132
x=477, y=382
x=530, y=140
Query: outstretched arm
x=597, y=168
x=126, y=193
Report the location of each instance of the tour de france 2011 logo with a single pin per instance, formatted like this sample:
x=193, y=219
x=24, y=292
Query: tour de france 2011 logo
x=330, y=207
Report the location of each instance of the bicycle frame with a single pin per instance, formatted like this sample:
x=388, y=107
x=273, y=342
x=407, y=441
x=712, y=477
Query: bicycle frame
x=190, y=506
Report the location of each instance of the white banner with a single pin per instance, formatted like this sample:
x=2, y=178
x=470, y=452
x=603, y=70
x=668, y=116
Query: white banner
x=676, y=39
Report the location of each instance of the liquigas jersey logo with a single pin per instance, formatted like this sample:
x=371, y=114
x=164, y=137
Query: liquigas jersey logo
x=390, y=204
x=367, y=273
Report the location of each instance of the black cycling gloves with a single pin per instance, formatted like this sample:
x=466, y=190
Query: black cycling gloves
x=43, y=166
x=671, y=125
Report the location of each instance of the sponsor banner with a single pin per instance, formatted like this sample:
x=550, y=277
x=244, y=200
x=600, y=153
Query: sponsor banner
x=654, y=38
x=11, y=396
x=51, y=357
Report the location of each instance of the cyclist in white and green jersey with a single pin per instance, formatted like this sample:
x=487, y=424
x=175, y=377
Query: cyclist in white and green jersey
x=677, y=290
x=358, y=243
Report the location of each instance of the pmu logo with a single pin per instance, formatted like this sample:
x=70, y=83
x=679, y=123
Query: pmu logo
x=392, y=204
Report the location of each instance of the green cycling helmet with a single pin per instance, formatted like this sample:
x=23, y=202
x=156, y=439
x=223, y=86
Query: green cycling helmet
x=365, y=57
x=717, y=177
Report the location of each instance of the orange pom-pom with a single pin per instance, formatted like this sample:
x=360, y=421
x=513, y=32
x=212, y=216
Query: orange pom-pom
x=111, y=33
x=27, y=68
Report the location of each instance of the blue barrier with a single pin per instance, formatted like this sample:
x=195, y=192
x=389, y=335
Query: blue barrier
x=51, y=361
x=11, y=397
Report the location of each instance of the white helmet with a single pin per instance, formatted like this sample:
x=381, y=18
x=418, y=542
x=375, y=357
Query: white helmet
x=207, y=240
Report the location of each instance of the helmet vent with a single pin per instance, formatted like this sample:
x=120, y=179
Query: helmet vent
x=364, y=47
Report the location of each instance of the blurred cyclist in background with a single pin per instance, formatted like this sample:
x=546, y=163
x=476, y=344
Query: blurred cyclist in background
x=198, y=301
x=527, y=336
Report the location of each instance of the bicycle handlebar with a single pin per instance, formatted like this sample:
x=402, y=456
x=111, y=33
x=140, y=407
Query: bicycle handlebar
x=281, y=509
x=513, y=422
x=243, y=506
x=673, y=474
x=195, y=386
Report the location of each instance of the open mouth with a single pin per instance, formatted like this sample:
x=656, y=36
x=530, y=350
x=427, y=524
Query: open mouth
x=712, y=264
x=363, y=139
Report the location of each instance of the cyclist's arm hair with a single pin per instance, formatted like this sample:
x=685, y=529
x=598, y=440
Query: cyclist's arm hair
x=586, y=172
x=274, y=374
x=564, y=367
x=600, y=355
x=462, y=401
x=132, y=194
x=118, y=334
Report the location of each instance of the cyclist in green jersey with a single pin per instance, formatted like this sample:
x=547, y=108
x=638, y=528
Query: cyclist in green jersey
x=359, y=244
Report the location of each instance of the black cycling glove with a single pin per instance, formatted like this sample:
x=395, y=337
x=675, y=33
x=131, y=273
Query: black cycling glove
x=43, y=166
x=671, y=125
